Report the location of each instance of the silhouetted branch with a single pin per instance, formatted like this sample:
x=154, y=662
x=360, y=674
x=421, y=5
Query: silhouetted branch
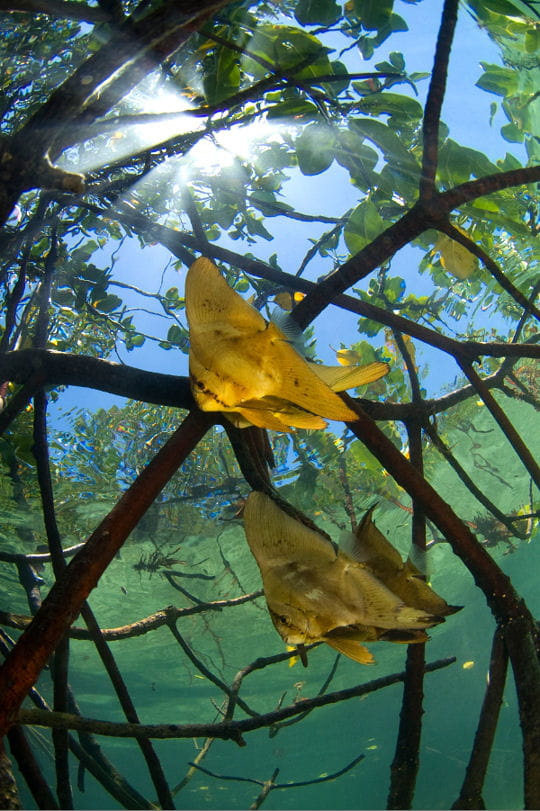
x=53, y=368
x=60, y=661
x=470, y=795
x=193, y=768
x=226, y=729
x=469, y=482
x=517, y=443
x=9, y=795
x=61, y=656
x=140, y=627
x=90, y=754
x=175, y=242
x=65, y=598
x=201, y=667
x=406, y=760
x=493, y=268
x=435, y=98
x=418, y=219
x=30, y=769
x=406, y=757
x=270, y=785
x=57, y=8
x=507, y=607
x=275, y=728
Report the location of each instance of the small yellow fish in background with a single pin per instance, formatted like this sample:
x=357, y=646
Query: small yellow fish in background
x=347, y=357
x=244, y=366
x=287, y=300
x=318, y=593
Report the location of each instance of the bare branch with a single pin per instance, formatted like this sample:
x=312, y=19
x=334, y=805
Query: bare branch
x=435, y=97
x=225, y=729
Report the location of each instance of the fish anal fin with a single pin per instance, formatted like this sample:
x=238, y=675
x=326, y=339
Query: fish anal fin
x=351, y=648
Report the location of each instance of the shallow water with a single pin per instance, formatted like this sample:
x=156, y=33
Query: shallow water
x=166, y=687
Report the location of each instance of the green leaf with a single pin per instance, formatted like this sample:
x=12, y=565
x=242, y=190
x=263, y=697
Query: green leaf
x=64, y=297
x=397, y=60
x=498, y=80
x=108, y=303
x=298, y=108
x=458, y=163
x=84, y=251
x=512, y=133
x=393, y=104
x=364, y=224
x=317, y=12
x=335, y=88
x=315, y=148
x=261, y=200
x=373, y=13
x=387, y=141
x=177, y=336
x=224, y=79
x=358, y=158
x=256, y=228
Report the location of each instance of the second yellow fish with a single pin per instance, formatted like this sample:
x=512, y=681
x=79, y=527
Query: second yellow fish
x=317, y=593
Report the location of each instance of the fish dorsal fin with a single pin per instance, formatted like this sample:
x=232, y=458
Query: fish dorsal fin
x=372, y=548
x=276, y=538
x=351, y=648
x=375, y=603
x=298, y=383
x=341, y=378
x=211, y=303
x=403, y=579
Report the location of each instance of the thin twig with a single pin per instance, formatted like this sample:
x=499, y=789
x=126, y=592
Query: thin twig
x=517, y=443
x=435, y=98
x=469, y=482
x=156, y=620
x=227, y=729
x=493, y=268
x=38, y=641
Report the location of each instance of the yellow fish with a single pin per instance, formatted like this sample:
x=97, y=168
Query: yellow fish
x=317, y=593
x=244, y=366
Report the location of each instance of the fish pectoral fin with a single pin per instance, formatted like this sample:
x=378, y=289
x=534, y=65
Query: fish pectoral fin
x=351, y=648
x=261, y=418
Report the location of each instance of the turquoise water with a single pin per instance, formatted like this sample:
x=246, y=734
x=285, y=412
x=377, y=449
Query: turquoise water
x=166, y=687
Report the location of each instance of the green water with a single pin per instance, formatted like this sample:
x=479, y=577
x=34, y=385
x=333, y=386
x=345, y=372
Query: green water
x=166, y=687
